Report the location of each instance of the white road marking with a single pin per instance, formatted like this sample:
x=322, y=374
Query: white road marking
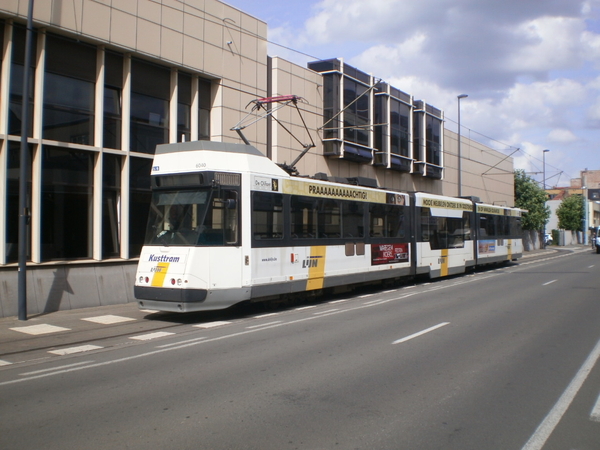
x=549, y=282
x=71, y=350
x=211, y=324
x=40, y=329
x=35, y=372
x=372, y=301
x=305, y=307
x=420, y=333
x=108, y=319
x=338, y=301
x=595, y=415
x=325, y=312
x=543, y=431
x=262, y=316
x=590, y=267
x=263, y=325
x=147, y=337
x=181, y=342
x=4, y=363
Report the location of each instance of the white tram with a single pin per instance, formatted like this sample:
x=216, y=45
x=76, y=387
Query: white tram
x=227, y=225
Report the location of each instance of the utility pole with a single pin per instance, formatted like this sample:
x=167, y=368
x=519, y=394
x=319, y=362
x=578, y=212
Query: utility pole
x=23, y=166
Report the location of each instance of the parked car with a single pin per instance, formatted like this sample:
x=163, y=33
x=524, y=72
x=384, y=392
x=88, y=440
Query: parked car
x=596, y=239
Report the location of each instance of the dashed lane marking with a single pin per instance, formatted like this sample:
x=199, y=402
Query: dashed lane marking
x=108, y=319
x=211, y=324
x=262, y=316
x=149, y=336
x=54, y=369
x=40, y=329
x=420, y=333
x=595, y=415
x=71, y=350
x=263, y=325
x=4, y=363
x=320, y=313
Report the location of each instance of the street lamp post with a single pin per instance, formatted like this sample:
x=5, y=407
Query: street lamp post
x=544, y=186
x=459, y=153
x=585, y=215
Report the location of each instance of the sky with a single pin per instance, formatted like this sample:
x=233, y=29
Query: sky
x=530, y=68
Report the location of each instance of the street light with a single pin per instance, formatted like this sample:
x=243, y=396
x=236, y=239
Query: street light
x=544, y=165
x=585, y=215
x=459, y=155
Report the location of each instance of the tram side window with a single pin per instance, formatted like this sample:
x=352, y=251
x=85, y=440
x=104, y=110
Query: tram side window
x=506, y=226
x=352, y=220
x=487, y=225
x=304, y=217
x=443, y=232
x=267, y=215
x=222, y=221
x=387, y=221
x=329, y=221
x=515, y=227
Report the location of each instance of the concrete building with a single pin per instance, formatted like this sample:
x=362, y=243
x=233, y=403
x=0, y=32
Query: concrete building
x=111, y=80
x=588, y=186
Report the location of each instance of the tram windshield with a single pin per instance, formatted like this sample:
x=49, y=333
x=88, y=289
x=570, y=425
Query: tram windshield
x=204, y=217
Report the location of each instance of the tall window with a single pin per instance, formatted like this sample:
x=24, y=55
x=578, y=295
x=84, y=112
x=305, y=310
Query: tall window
x=184, y=102
x=111, y=199
x=331, y=104
x=113, y=87
x=433, y=139
x=150, y=91
x=69, y=91
x=204, y=104
x=418, y=137
x=12, y=199
x=356, y=114
x=399, y=124
x=66, y=203
x=16, y=83
x=139, y=203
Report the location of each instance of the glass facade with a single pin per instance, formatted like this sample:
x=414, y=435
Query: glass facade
x=386, y=128
x=16, y=83
x=67, y=190
x=12, y=199
x=113, y=98
x=82, y=145
x=150, y=92
x=69, y=91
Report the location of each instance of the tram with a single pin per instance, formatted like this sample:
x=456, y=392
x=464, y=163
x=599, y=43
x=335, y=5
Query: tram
x=228, y=225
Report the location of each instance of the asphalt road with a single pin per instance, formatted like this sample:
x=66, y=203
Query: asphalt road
x=499, y=359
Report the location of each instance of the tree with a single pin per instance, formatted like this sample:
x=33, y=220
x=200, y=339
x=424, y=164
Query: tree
x=570, y=213
x=529, y=196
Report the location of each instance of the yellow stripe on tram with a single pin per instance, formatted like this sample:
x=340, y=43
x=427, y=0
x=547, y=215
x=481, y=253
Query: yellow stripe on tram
x=316, y=268
x=160, y=274
x=444, y=265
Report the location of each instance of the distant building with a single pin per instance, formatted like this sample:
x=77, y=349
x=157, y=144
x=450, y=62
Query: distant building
x=111, y=80
x=588, y=186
